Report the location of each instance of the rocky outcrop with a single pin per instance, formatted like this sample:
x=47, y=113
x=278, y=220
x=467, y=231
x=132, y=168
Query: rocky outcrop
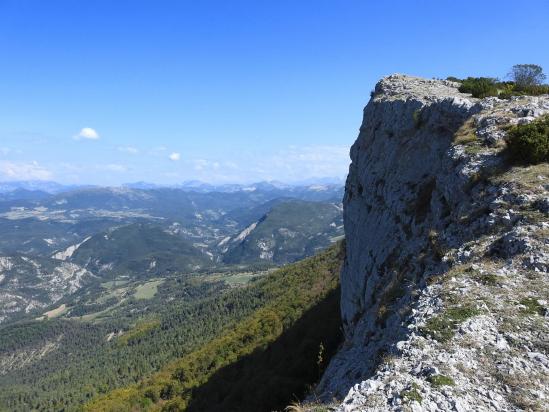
x=28, y=284
x=445, y=284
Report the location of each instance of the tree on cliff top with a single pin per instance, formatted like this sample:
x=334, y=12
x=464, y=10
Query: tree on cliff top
x=525, y=75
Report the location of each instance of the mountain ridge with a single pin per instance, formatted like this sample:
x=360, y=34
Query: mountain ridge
x=53, y=187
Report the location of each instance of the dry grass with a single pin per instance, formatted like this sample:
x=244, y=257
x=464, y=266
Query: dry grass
x=54, y=313
x=531, y=178
x=466, y=133
x=310, y=407
x=294, y=407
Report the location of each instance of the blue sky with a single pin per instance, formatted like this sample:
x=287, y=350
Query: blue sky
x=226, y=90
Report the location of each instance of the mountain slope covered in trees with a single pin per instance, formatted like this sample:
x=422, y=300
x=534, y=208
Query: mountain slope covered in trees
x=288, y=231
x=270, y=356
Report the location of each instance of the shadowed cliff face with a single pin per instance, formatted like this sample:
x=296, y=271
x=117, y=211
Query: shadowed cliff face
x=428, y=194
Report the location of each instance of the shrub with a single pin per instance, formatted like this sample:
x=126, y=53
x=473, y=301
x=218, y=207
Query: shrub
x=526, y=75
x=526, y=80
x=529, y=143
x=533, y=90
x=514, y=90
x=506, y=94
x=479, y=86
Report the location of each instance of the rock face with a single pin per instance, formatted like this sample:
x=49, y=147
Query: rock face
x=445, y=286
x=29, y=283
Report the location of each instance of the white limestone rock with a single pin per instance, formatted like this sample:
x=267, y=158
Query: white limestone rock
x=441, y=235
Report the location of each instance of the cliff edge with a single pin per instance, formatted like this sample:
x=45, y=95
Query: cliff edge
x=445, y=285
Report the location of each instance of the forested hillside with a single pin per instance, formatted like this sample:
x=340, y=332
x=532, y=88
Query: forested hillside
x=207, y=322
x=270, y=357
x=139, y=250
x=287, y=232
x=57, y=364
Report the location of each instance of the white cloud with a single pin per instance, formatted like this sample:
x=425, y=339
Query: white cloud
x=175, y=156
x=113, y=167
x=128, y=149
x=200, y=164
x=87, y=133
x=158, y=151
x=304, y=162
x=231, y=165
x=291, y=164
x=24, y=171
x=310, y=161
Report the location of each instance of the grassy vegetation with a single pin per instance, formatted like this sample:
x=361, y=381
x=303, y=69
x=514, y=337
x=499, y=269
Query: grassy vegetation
x=466, y=133
x=114, y=284
x=237, y=279
x=54, y=313
x=527, y=178
x=487, y=279
x=440, y=380
x=95, y=315
x=148, y=290
x=260, y=363
x=532, y=307
x=443, y=326
x=466, y=136
x=412, y=394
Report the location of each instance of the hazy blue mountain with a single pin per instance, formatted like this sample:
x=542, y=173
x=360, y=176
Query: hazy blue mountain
x=41, y=185
x=142, y=185
x=23, y=194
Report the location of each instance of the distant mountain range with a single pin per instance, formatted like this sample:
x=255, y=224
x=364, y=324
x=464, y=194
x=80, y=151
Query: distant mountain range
x=59, y=241
x=189, y=185
x=35, y=185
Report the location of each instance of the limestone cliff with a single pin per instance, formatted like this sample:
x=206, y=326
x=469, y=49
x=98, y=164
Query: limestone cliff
x=445, y=284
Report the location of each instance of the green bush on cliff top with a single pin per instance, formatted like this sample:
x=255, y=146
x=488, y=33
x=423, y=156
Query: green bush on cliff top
x=526, y=80
x=479, y=86
x=486, y=86
x=529, y=143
